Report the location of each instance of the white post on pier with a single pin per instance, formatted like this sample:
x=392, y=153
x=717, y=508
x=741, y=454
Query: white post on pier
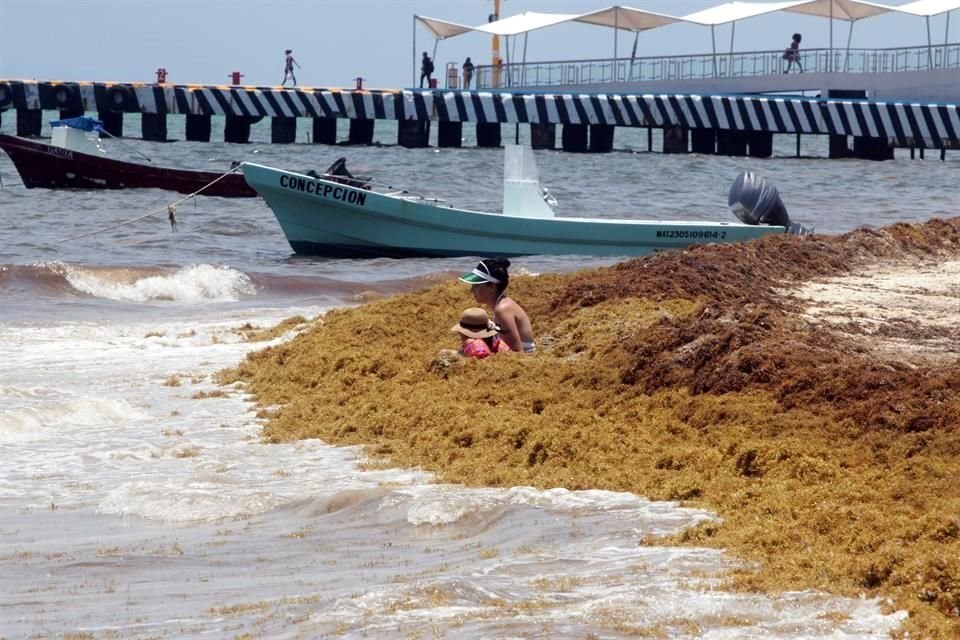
x=733, y=30
x=846, y=58
x=830, y=60
x=713, y=40
x=946, y=39
x=616, y=28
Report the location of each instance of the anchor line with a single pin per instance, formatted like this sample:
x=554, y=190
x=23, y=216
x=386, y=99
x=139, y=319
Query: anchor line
x=164, y=209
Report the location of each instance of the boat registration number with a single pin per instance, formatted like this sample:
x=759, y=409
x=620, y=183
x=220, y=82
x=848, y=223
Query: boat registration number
x=692, y=233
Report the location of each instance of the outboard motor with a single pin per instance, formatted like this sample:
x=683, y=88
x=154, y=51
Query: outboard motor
x=755, y=201
x=338, y=172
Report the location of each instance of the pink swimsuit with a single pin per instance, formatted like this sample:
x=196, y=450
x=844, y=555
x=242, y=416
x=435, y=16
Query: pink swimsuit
x=477, y=347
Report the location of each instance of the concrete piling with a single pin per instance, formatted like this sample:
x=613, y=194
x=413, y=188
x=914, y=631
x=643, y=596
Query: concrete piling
x=237, y=128
x=601, y=138
x=197, y=128
x=759, y=144
x=872, y=148
x=488, y=135
x=324, y=131
x=543, y=136
x=838, y=147
x=573, y=138
x=415, y=134
x=29, y=123
x=112, y=122
x=361, y=132
x=703, y=141
x=283, y=130
x=677, y=139
x=449, y=134
x=731, y=143
x=153, y=126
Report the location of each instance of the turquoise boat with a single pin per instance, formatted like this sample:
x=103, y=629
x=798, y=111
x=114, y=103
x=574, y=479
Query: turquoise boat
x=341, y=216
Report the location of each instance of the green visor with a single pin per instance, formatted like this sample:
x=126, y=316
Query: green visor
x=480, y=275
x=473, y=278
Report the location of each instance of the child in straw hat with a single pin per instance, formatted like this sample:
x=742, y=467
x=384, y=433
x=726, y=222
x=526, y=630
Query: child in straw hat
x=479, y=336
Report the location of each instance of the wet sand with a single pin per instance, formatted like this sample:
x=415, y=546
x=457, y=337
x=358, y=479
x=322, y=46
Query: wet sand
x=804, y=389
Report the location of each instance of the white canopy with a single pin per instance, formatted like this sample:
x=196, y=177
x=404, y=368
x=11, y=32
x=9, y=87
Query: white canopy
x=627, y=18
x=928, y=7
x=733, y=11
x=442, y=29
x=637, y=20
x=524, y=23
x=616, y=17
x=851, y=10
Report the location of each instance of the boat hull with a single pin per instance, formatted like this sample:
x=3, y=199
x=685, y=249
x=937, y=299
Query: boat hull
x=325, y=218
x=41, y=165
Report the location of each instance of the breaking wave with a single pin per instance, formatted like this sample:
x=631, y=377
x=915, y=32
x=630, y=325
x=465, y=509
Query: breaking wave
x=193, y=283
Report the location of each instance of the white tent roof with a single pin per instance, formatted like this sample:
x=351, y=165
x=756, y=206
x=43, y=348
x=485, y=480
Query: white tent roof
x=630, y=19
x=928, y=7
x=850, y=10
x=627, y=18
x=524, y=22
x=442, y=29
x=732, y=11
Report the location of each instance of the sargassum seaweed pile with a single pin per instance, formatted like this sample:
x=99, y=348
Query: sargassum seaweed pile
x=829, y=448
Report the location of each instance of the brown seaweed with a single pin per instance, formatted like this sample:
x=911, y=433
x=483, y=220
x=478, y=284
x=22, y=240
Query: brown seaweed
x=691, y=375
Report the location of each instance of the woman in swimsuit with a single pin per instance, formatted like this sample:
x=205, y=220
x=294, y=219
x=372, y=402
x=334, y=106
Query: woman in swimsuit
x=288, y=67
x=488, y=283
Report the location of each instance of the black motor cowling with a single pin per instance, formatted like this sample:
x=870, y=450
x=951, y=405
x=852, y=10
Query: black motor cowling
x=755, y=201
x=338, y=172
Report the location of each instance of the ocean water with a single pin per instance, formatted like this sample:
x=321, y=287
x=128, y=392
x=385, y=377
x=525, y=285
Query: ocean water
x=136, y=500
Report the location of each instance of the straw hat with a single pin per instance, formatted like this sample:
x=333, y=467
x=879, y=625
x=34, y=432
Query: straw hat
x=475, y=323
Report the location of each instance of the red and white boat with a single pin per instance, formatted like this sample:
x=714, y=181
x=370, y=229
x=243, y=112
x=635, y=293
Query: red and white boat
x=75, y=161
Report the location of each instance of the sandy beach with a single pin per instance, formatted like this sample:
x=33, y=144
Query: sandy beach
x=904, y=311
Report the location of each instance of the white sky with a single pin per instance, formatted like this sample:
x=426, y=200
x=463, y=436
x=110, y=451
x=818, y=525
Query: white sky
x=202, y=41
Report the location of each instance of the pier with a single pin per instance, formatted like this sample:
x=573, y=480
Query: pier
x=733, y=124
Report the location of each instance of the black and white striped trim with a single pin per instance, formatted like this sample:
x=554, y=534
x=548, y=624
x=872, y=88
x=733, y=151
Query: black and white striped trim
x=905, y=123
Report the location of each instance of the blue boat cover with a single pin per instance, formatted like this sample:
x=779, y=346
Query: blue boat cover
x=83, y=123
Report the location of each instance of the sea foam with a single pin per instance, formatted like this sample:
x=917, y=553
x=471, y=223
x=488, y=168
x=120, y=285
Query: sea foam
x=26, y=424
x=194, y=283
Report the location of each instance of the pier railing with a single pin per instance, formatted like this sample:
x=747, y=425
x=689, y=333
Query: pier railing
x=708, y=65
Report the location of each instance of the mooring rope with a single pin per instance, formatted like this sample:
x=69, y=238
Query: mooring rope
x=164, y=209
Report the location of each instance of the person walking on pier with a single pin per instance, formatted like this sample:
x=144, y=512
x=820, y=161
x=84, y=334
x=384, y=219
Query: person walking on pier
x=288, y=68
x=467, y=72
x=426, y=70
x=792, y=54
